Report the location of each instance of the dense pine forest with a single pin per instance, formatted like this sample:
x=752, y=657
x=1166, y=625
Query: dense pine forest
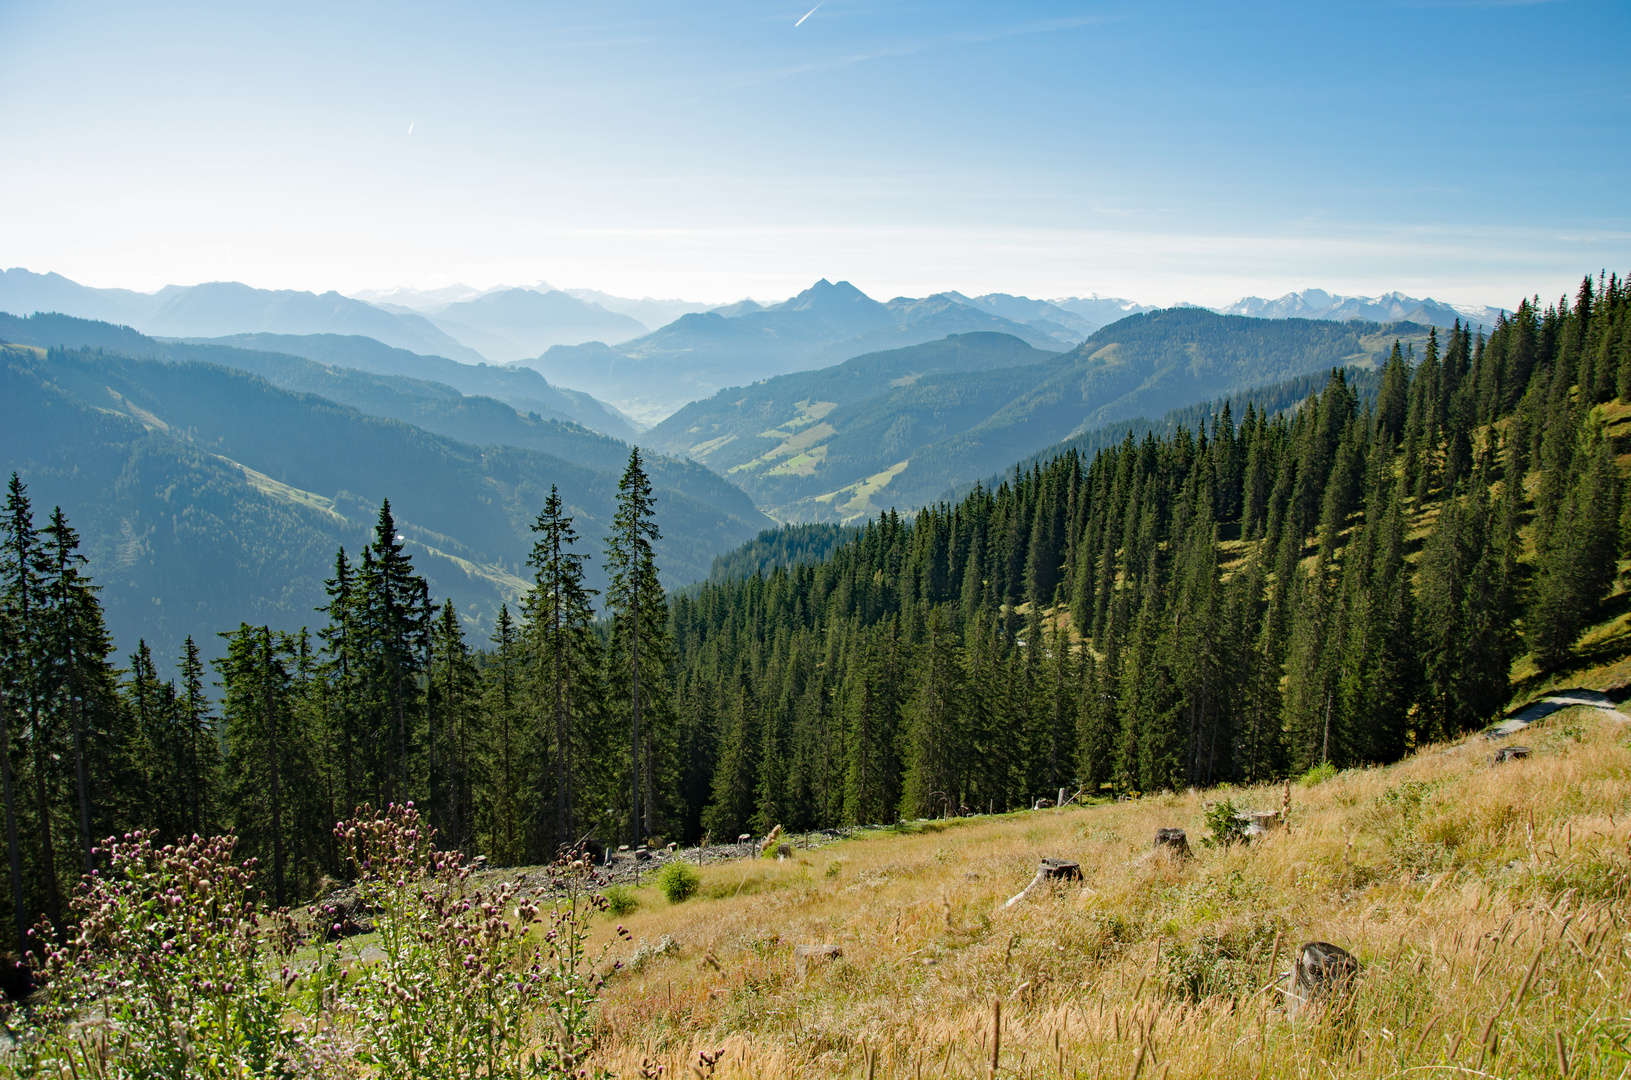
x=1279, y=589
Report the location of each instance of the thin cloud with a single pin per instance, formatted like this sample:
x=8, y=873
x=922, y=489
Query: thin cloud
x=976, y=37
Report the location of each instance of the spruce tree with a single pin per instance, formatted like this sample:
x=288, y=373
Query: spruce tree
x=639, y=646
x=560, y=625
x=935, y=717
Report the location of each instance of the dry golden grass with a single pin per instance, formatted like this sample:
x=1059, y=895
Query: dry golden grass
x=1458, y=886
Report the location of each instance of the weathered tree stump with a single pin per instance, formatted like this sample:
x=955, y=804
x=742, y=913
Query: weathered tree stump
x=1051, y=870
x=1510, y=753
x=805, y=955
x=1174, y=843
x=1255, y=823
x=1322, y=974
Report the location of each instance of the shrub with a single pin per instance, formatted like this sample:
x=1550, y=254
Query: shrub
x=620, y=900
x=678, y=881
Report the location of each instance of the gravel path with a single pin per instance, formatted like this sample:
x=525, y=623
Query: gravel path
x=1557, y=702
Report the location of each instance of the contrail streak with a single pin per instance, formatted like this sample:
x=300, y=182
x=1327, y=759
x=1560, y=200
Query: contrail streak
x=807, y=14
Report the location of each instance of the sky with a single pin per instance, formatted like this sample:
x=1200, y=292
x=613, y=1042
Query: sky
x=1193, y=151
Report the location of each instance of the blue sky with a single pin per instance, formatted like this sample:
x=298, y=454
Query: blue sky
x=1161, y=151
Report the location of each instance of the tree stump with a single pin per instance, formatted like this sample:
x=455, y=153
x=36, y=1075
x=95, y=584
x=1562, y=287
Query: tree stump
x=1051, y=870
x=1322, y=974
x=1174, y=843
x=805, y=955
x=1510, y=753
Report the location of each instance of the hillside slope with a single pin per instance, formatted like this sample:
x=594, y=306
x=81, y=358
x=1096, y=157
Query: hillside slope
x=206, y=496
x=897, y=429
x=520, y=387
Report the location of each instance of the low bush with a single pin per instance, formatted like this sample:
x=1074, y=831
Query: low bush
x=679, y=881
x=621, y=900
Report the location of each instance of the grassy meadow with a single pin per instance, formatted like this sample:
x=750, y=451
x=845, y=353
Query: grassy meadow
x=1485, y=904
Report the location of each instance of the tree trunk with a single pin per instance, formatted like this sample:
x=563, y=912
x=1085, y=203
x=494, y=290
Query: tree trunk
x=271, y=735
x=78, y=706
x=19, y=912
x=634, y=804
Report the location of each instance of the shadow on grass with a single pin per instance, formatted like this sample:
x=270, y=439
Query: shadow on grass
x=1609, y=651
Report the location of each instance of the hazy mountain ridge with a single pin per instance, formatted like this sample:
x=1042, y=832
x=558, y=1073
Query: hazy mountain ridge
x=520, y=388
x=703, y=352
x=515, y=324
x=226, y=496
x=218, y=308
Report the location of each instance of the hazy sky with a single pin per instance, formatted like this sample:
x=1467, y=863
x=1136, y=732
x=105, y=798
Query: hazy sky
x=1161, y=151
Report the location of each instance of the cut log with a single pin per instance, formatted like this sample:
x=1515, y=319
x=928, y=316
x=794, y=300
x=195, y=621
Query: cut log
x=1051, y=870
x=1510, y=753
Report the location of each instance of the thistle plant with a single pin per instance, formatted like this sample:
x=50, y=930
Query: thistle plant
x=164, y=974
x=471, y=982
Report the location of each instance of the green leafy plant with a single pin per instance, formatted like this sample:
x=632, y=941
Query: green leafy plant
x=678, y=881
x=1318, y=774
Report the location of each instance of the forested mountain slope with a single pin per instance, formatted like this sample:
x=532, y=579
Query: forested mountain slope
x=1249, y=601
x=208, y=495
x=897, y=429
x=1273, y=595
x=751, y=430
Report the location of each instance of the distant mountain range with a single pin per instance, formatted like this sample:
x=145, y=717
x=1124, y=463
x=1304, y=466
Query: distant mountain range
x=898, y=428
x=1389, y=307
x=648, y=357
x=701, y=353
x=214, y=484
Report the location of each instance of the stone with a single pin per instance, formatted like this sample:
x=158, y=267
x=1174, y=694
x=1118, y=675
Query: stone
x=1050, y=870
x=1510, y=753
x=1172, y=842
x=1323, y=974
x=806, y=955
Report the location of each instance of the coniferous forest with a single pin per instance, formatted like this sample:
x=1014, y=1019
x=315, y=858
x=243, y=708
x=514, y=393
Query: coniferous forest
x=1277, y=590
